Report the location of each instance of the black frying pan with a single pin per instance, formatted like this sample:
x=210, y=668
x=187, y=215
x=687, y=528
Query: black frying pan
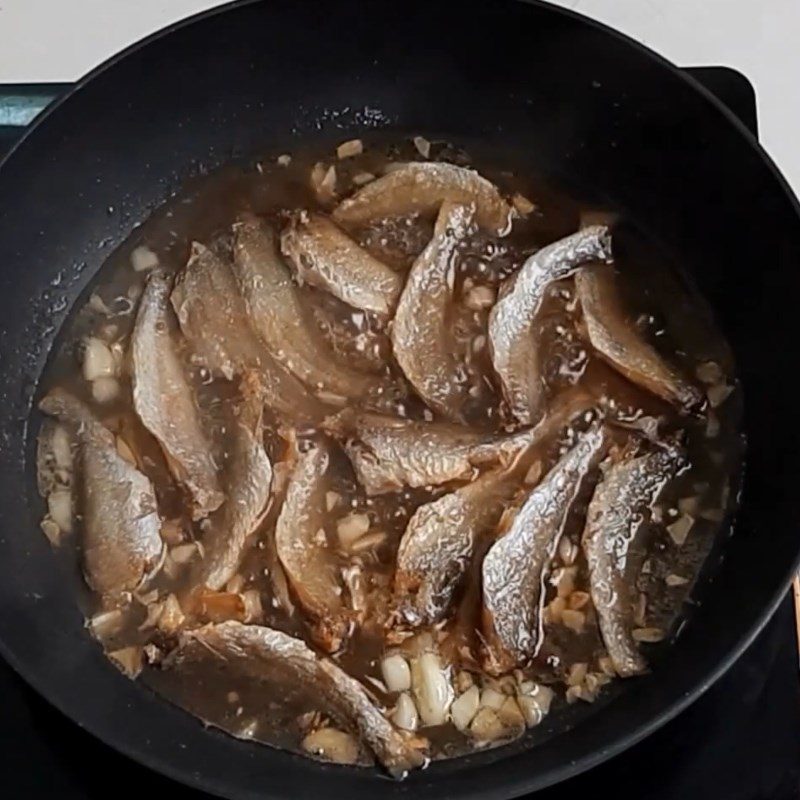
x=584, y=106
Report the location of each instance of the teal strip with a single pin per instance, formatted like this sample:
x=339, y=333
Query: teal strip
x=19, y=110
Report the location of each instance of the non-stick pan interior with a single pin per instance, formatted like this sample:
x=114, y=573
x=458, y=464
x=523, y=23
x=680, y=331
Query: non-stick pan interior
x=582, y=105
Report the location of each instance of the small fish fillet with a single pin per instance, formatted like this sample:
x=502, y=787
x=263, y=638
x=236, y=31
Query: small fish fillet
x=326, y=257
x=213, y=318
x=621, y=502
x=164, y=400
x=514, y=570
x=439, y=543
x=422, y=336
x=212, y=315
x=249, y=476
x=512, y=321
x=303, y=550
x=422, y=188
x=275, y=312
x=612, y=333
x=279, y=659
x=389, y=454
x=277, y=576
x=121, y=544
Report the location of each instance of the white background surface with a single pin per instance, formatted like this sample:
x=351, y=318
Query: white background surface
x=60, y=40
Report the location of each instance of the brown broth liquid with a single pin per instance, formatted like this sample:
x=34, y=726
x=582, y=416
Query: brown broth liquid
x=674, y=318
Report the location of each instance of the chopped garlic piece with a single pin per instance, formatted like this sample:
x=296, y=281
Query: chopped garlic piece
x=675, y=580
x=647, y=634
x=143, y=259
x=532, y=711
x=351, y=528
x=554, y=609
x=154, y=612
x=104, y=390
x=51, y=530
x=128, y=659
x=62, y=450
x=332, y=500
x=405, y=714
x=567, y=551
x=396, y=673
x=465, y=707
x=98, y=360
x=679, y=530
x=577, y=673
x=487, y=726
x=59, y=506
x=363, y=178
x=323, y=182
x=355, y=147
x=491, y=698
x=522, y=205
x=573, y=694
x=432, y=689
x=511, y=716
x=105, y=623
x=253, y=610
x=606, y=666
x=96, y=303
x=423, y=146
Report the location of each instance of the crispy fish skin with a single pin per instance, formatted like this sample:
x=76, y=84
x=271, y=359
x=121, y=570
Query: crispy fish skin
x=164, y=400
x=324, y=256
x=389, y=454
x=616, y=339
x=514, y=569
x=304, y=553
x=421, y=335
x=512, y=337
x=621, y=501
x=439, y=543
x=121, y=543
x=276, y=315
x=422, y=188
x=271, y=655
x=249, y=477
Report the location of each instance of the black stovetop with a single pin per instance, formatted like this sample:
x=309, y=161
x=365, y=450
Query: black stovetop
x=740, y=741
